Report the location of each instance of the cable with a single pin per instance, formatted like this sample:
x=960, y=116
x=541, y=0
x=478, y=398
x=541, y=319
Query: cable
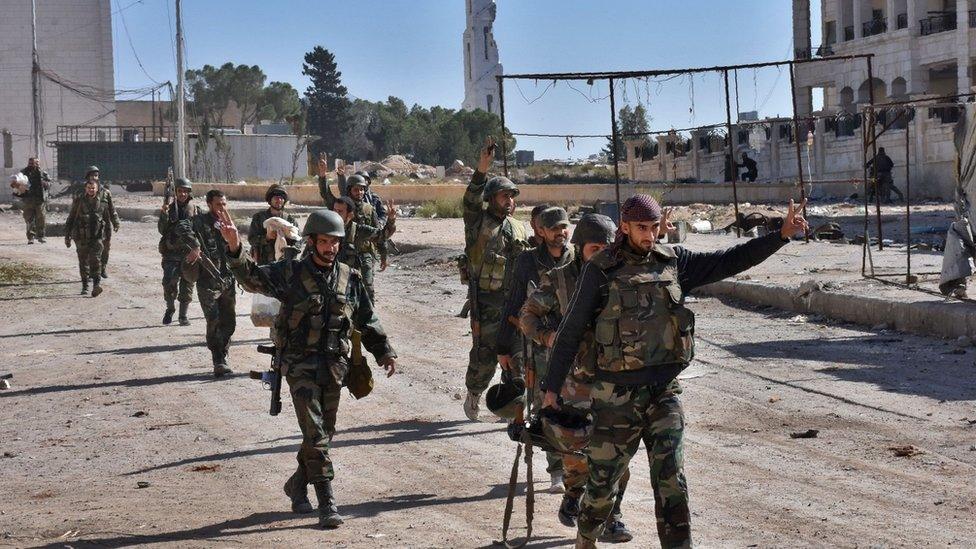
x=132, y=46
x=527, y=102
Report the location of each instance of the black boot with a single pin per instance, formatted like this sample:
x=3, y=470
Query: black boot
x=328, y=513
x=220, y=364
x=184, y=321
x=296, y=488
x=168, y=315
x=616, y=531
x=569, y=510
x=104, y=274
x=96, y=287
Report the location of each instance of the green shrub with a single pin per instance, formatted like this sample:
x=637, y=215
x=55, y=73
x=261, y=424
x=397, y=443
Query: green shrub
x=442, y=208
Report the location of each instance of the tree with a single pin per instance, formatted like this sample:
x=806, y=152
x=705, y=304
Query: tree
x=279, y=102
x=631, y=123
x=328, y=106
x=247, y=90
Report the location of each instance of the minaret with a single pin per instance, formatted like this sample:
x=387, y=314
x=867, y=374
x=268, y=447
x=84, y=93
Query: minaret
x=481, y=64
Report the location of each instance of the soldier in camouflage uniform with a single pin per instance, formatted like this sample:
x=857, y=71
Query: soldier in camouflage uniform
x=357, y=244
x=215, y=290
x=541, y=314
x=322, y=302
x=632, y=297
x=107, y=236
x=33, y=202
x=552, y=251
x=91, y=214
x=174, y=285
x=262, y=240
x=492, y=241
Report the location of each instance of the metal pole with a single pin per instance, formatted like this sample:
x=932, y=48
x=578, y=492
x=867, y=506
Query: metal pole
x=799, y=156
x=908, y=203
x=37, y=129
x=155, y=135
x=613, y=148
x=179, y=143
x=501, y=108
x=864, y=167
x=730, y=160
x=874, y=153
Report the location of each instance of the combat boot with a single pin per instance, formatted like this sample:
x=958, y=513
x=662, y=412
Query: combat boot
x=472, y=405
x=615, y=531
x=556, y=482
x=296, y=488
x=84, y=287
x=583, y=543
x=184, y=321
x=104, y=274
x=168, y=315
x=569, y=510
x=328, y=513
x=96, y=287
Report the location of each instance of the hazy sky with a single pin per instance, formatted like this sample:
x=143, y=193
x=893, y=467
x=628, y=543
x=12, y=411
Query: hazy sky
x=412, y=49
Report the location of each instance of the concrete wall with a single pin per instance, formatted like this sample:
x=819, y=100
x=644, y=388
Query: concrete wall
x=74, y=40
x=265, y=157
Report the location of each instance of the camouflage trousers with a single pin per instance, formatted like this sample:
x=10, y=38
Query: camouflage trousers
x=623, y=416
x=219, y=308
x=483, y=357
x=35, y=218
x=316, y=405
x=89, y=258
x=367, y=270
x=174, y=285
x=106, y=246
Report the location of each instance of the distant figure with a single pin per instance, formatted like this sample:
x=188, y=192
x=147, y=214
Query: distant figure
x=33, y=200
x=886, y=184
x=752, y=171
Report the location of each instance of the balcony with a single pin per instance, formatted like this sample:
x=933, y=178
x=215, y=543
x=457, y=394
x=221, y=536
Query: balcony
x=824, y=50
x=874, y=26
x=849, y=33
x=946, y=21
x=901, y=22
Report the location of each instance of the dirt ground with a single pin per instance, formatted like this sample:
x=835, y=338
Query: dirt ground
x=115, y=434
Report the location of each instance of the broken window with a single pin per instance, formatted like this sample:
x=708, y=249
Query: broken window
x=486, y=43
x=490, y=98
x=8, y=150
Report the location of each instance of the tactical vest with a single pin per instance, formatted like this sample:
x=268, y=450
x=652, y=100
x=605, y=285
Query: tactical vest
x=564, y=283
x=349, y=250
x=211, y=242
x=315, y=317
x=487, y=257
x=644, y=323
x=169, y=244
x=89, y=221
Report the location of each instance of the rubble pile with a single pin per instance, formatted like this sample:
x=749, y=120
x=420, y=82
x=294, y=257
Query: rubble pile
x=399, y=165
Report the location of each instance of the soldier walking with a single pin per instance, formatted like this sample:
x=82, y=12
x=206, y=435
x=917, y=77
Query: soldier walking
x=90, y=216
x=93, y=171
x=323, y=301
x=632, y=295
x=492, y=241
x=539, y=317
x=262, y=240
x=215, y=283
x=33, y=202
x=357, y=245
x=175, y=286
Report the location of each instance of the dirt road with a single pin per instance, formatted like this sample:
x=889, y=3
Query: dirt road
x=106, y=400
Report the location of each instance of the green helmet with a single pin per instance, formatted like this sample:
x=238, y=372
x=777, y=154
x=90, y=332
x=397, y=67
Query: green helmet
x=91, y=169
x=498, y=184
x=275, y=190
x=183, y=183
x=325, y=222
x=594, y=228
x=356, y=180
x=566, y=429
x=506, y=399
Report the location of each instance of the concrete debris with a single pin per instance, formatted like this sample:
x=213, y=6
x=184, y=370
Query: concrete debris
x=905, y=451
x=4, y=384
x=809, y=433
x=142, y=484
x=206, y=468
x=701, y=226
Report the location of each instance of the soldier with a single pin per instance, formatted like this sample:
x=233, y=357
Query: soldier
x=552, y=252
x=632, y=296
x=262, y=240
x=90, y=215
x=539, y=317
x=323, y=300
x=93, y=171
x=33, y=202
x=536, y=237
x=356, y=245
x=174, y=285
x=492, y=241
x=215, y=286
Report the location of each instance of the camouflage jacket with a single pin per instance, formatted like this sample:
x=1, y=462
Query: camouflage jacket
x=39, y=183
x=319, y=310
x=200, y=231
x=528, y=270
x=169, y=246
x=90, y=217
x=263, y=249
x=359, y=241
x=366, y=213
x=491, y=244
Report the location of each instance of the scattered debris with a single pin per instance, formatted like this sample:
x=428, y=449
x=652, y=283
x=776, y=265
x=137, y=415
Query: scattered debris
x=809, y=433
x=9, y=454
x=206, y=468
x=701, y=226
x=905, y=451
x=140, y=413
x=774, y=399
x=142, y=484
x=964, y=341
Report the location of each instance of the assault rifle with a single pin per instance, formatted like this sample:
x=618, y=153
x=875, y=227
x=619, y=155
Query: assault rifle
x=271, y=377
x=169, y=196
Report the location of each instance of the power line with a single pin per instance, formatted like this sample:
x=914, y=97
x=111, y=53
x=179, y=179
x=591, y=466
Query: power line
x=132, y=46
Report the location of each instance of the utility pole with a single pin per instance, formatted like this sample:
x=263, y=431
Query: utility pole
x=179, y=143
x=38, y=129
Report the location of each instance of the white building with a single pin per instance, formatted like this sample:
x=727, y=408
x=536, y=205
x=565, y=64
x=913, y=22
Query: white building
x=74, y=40
x=481, y=64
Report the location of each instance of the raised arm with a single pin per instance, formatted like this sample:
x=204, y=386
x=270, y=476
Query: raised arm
x=324, y=190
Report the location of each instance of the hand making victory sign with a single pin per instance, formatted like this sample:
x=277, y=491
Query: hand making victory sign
x=794, y=224
x=228, y=230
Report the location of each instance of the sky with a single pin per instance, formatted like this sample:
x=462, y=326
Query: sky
x=412, y=49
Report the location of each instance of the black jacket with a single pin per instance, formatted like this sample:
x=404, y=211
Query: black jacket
x=527, y=268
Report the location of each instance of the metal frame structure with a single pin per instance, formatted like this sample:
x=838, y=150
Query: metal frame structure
x=611, y=76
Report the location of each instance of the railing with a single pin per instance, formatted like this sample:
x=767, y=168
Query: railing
x=938, y=23
x=946, y=115
x=901, y=22
x=874, y=26
x=820, y=51
x=849, y=33
x=114, y=133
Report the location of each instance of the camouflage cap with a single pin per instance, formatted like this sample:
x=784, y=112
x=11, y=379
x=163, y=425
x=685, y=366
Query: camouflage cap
x=567, y=430
x=498, y=184
x=506, y=399
x=554, y=217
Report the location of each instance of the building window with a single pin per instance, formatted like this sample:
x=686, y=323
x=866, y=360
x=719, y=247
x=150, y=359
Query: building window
x=468, y=59
x=490, y=100
x=830, y=33
x=8, y=150
x=486, y=43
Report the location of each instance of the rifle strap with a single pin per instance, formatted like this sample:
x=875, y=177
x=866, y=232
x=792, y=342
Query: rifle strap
x=510, y=501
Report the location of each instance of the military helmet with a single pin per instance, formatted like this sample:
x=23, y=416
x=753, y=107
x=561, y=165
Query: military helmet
x=498, y=184
x=324, y=222
x=365, y=175
x=506, y=399
x=275, y=190
x=90, y=169
x=566, y=429
x=183, y=183
x=595, y=228
x=355, y=180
